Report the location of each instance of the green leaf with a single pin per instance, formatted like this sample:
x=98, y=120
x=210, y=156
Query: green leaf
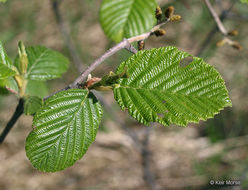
x=45, y=64
x=32, y=105
x=11, y=83
x=5, y=64
x=64, y=129
x=36, y=88
x=3, y=1
x=5, y=72
x=3, y=90
x=126, y=18
x=244, y=1
x=160, y=90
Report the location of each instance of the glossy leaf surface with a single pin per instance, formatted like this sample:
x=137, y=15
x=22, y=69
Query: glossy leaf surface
x=160, y=90
x=37, y=88
x=32, y=105
x=45, y=64
x=126, y=18
x=5, y=64
x=64, y=129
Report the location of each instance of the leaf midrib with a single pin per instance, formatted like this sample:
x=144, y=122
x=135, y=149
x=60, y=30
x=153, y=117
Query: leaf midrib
x=170, y=92
x=36, y=62
x=70, y=119
x=130, y=10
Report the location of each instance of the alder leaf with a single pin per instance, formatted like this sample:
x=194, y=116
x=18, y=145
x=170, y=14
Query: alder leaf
x=160, y=90
x=126, y=18
x=36, y=88
x=5, y=64
x=65, y=127
x=32, y=105
x=45, y=64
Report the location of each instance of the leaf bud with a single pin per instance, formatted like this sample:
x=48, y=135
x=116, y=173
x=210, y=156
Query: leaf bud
x=237, y=45
x=23, y=58
x=141, y=45
x=220, y=43
x=158, y=13
x=160, y=32
x=233, y=33
x=175, y=18
x=91, y=81
x=169, y=11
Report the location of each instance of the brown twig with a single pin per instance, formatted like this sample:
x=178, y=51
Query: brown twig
x=213, y=31
x=219, y=23
x=125, y=44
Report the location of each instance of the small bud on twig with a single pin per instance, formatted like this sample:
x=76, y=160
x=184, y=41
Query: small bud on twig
x=233, y=33
x=169, y=11
x=221, y=43
x=175, y=18
x=160, y=32
x=141, y=45
x=236, y=45
x=91, y=81
x=158, y=13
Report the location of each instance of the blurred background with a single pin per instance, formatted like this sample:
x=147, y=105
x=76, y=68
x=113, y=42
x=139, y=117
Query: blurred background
x=127, y=155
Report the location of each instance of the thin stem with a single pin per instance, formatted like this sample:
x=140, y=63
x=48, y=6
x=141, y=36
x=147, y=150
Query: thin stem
x=125, y=44
x=18, y=112
x=214, y=30
x=216, y=18
x=96, y=63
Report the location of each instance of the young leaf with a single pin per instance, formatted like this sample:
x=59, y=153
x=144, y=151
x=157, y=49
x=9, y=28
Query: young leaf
x=64, y=129
x=37, y=88
x=32, y=105
x=5, y=72
x=11, y=84
x=160, y=90
x=45, y=64
x=5, y=64
x=3, y=90
x=126, y=18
